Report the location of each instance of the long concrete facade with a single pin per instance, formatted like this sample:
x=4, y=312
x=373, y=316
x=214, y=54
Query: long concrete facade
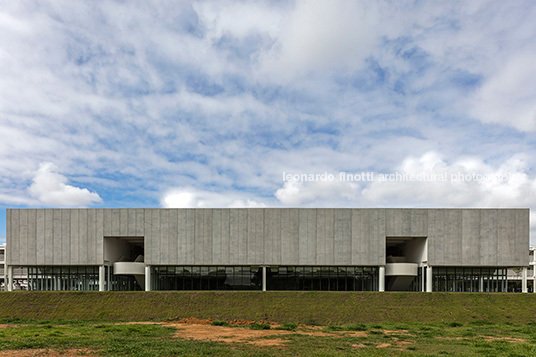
x=268, y=236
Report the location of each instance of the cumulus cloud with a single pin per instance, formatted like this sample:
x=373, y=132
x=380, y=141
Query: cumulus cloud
x=186, y=197
x=467, y=182
x=50, y=188
x=332, y=192
x=322, y=35
x=507, y=97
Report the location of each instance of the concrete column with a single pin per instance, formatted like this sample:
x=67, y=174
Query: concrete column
x=429, y=281
x=423, y=278
x=381, y=280
x=263, y=278
x=481, y=284
x=147, y=278
x=524, y=280
x=9, y=281
x=102, y=277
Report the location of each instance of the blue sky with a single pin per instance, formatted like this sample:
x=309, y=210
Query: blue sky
x=207, y=104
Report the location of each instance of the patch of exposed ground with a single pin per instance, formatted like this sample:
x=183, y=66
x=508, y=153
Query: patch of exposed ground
x=34, y=352
x=507, y=339
x=196, y=329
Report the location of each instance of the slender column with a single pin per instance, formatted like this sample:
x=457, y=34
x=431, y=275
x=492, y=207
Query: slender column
x=524, y=280
x=147, y=278
x=381, y=280
x=429, y=281
x=481, y=284
x=102, y=277
x=263, y=278
x=423, y=278
x=9, y=282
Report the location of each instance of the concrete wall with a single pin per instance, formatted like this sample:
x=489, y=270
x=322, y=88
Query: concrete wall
x=286, y=236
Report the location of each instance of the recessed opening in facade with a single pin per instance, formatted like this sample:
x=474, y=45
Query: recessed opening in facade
x=404, y=258
x=124, y=263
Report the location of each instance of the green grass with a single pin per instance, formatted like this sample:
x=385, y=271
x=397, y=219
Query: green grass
x=321, y=308
x=386, y=339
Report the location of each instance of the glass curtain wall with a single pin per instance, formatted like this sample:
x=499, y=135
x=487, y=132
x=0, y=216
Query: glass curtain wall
x=78, y=278
x=207, y=278
x=322, y=278
x=469, y=279
x=277, y=278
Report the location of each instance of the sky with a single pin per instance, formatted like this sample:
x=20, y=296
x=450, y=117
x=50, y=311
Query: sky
x=268, y=104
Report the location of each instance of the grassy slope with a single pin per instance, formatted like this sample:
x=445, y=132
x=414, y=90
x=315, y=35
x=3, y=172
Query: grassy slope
x=300, y=307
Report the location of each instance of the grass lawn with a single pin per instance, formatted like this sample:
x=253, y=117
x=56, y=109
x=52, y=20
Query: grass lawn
x=301, y=323
x=320, y=307
x=103, y=338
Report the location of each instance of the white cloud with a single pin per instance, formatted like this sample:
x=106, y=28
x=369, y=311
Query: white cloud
x=322, y=35
x=296, y=193
x=187, y=197
x=51, y=188
x=507, y=97
x=467, y=182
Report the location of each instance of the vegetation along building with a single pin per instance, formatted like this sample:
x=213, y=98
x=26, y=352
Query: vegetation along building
x=378, y=249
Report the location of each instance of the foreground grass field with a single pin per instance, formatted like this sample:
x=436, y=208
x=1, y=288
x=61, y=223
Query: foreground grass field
x=266, y=324
x=31, y=338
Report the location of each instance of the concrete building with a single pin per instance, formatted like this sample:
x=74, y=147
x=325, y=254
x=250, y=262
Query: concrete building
x=268, y=249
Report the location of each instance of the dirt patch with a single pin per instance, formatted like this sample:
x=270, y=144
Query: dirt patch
x=229, y=334
x=34, y=352
x=194, y=320
x=508, y=339
x=207, y=332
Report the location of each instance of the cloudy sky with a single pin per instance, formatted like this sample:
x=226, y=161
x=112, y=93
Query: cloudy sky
x=211, y=103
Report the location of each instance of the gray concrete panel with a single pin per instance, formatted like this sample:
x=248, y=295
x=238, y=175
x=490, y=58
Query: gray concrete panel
x=49, y=237
x=282, y=236
x=272, y=234
x=107, y=224
x=203, y=236
x=238, y=228
x=290, y=236
x=23, y=236
x=92, y=238
x=65, y=252
x=116, y=222
x=522, y=238
x=342, y=236
x=155, y=238
x=123, y=222
x=361, y=233
x=324, y=236
x=470, y=230
x=165, y=236
x=75, y=236
x=99, y=236
x=40, y=237
x=419, y=223
x=255, y=227
x=506, y=221
x=56, y=236
x=377, y=241
x=452, y=232
x=83, y=236
x=173, y=236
